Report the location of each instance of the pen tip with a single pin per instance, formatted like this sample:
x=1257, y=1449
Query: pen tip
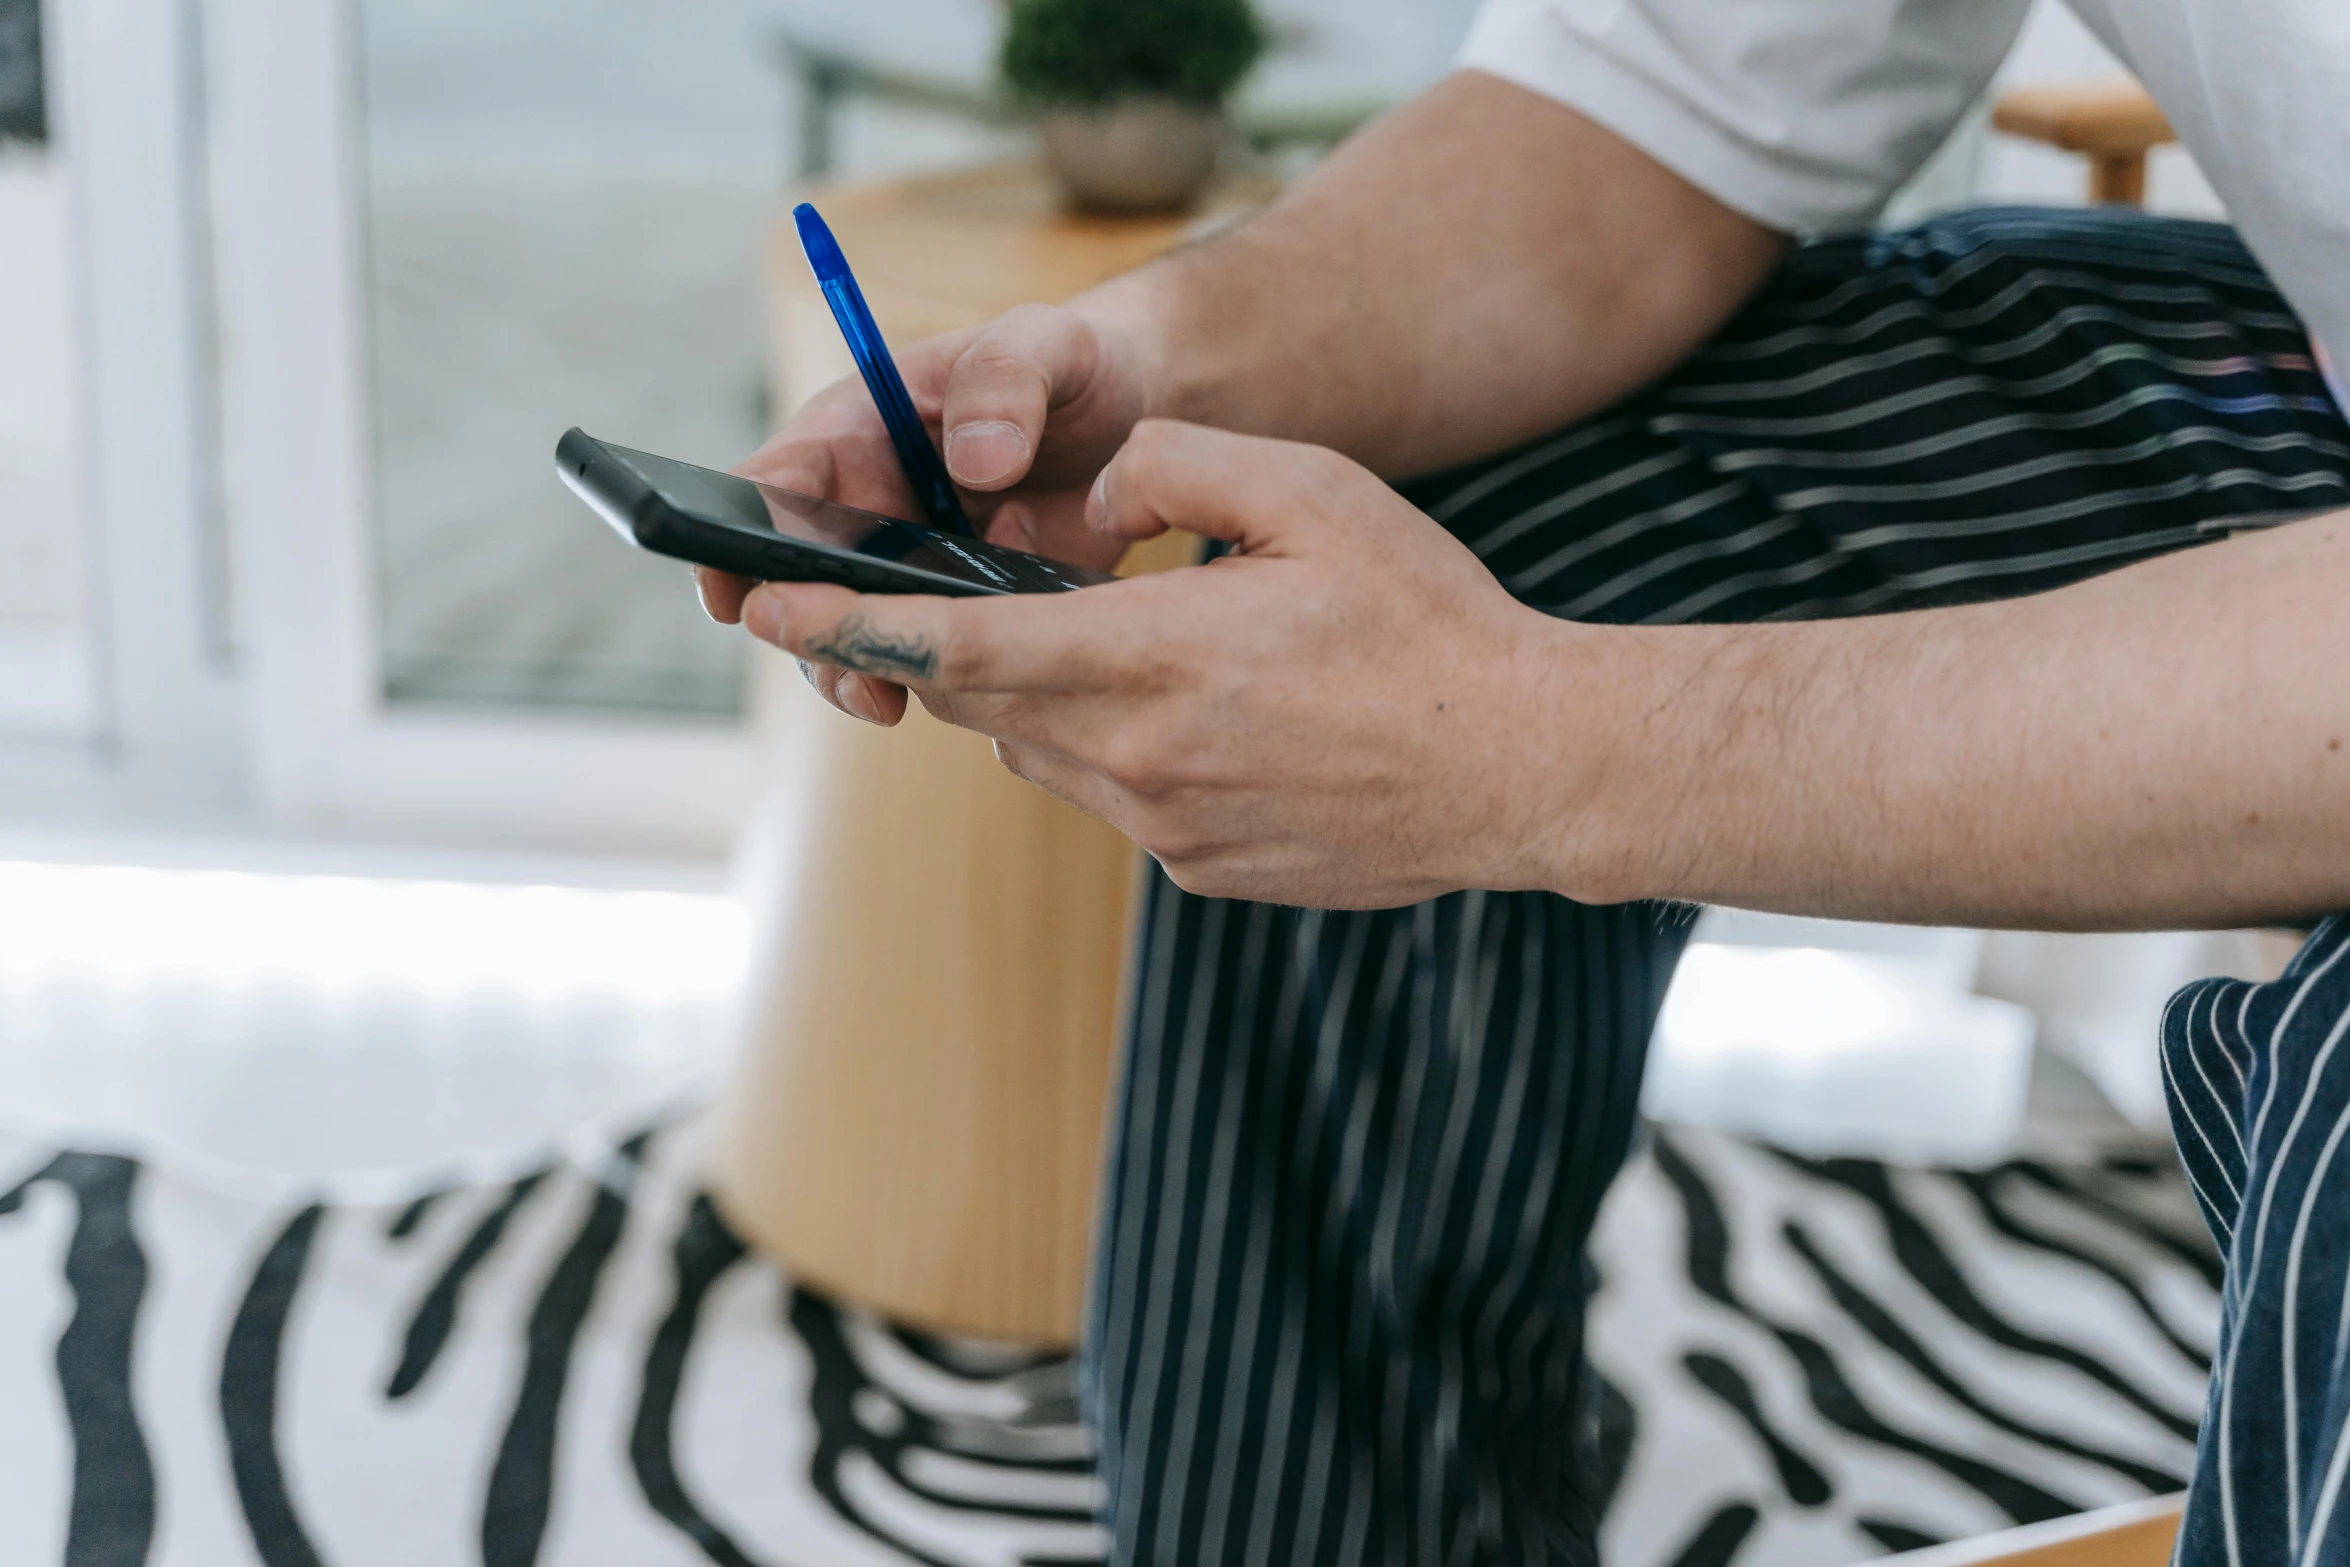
x=816, y=241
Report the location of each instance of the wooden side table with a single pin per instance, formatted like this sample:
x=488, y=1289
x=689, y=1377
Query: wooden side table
x=917, y=1121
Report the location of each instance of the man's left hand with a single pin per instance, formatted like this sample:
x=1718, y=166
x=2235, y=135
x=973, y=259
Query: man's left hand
x=1346, y=710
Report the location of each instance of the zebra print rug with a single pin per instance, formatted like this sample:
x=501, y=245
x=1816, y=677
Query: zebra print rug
x=1804, y=1362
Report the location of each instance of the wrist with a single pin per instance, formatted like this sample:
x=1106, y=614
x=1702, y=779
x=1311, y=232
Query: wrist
x=1608, y=755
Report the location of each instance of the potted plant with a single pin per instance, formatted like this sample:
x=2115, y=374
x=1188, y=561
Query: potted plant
x=1130, y=93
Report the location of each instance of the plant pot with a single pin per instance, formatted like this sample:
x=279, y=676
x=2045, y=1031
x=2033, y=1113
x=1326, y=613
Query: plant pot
x=1136, y=156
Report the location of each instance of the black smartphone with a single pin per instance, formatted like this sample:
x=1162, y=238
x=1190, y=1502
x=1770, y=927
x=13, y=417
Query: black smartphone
x=771, y=535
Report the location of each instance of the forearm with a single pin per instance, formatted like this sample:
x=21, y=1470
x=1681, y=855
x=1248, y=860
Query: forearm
x=1475, y=269
x=2161, y=747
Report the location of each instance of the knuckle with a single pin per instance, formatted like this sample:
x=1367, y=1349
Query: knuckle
x=1151, y=438
x=962, y=660
x=1321, y=472
x=1318, y=603
x=824, y=679
x=1181, y=841
x=1203, y=881
x=1135, y=760
x=998, y=361
x=1189, y=864
x=1142, y=463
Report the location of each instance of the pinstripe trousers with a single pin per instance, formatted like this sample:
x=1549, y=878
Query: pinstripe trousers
x=2259, y=1090
x=1355, y=1156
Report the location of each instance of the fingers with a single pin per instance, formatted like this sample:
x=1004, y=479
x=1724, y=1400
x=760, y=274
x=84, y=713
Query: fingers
x=722, y=594
x=1027, y=642
x=1069, y=782
x=1002, y=387
x=801, y=456
x=837, y=448
x=1014, y=526
x=859, y=696
x=1257, y=494
x=874, y=701
x=1191, y=857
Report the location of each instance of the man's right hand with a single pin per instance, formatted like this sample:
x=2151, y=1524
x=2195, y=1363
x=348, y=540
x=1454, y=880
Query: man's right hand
x=1033, y=406
x=1324, y=321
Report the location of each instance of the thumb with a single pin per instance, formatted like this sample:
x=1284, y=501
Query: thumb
x=1263, y=497
x=1002, y=387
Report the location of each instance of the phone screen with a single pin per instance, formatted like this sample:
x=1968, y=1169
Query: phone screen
x=729, y=501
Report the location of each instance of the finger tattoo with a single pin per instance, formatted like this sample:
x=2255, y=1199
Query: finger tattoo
x=856, y=644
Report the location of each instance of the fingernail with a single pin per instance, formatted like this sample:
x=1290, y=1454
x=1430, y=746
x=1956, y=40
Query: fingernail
x=763, y=616
x=857, y=699
x=984, y=452
x=1097, y=503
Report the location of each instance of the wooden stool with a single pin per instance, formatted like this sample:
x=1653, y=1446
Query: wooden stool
x=2115, y=123
x=2133, y=1534
x=917, y=1122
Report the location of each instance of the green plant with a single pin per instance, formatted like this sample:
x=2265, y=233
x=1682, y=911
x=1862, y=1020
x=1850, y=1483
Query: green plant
x=1096, y=51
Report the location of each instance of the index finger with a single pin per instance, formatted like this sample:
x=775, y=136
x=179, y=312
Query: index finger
x=1017, y=642
x=805, y=457
x=795, y=458
x=722, y=593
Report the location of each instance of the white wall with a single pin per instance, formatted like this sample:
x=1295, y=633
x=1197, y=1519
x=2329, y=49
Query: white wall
x=2055, y=47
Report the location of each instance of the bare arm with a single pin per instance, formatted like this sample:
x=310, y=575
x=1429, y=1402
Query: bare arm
x=2165, y=746
x=1479, y=267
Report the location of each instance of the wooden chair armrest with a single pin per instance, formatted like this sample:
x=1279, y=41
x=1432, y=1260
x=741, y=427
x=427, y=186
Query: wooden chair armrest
x=2135, y=1534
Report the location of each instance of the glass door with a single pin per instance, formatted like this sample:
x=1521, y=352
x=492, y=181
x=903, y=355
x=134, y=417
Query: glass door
x=48, y=684
x=118, y=696
x=564, y=210
x=446, y=232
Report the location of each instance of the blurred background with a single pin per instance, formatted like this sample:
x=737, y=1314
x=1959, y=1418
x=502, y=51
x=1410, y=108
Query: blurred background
x=294, y=299
x=365, y=807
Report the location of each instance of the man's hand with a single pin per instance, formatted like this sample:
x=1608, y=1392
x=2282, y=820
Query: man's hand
x=1032, y=405
x=1346, y=711
x=1349, y=711
x=1322, y=320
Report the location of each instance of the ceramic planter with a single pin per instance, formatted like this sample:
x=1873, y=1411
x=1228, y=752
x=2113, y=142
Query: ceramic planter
x=1134, y=156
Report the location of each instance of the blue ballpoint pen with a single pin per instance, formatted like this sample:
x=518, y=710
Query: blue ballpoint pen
x=933, y=490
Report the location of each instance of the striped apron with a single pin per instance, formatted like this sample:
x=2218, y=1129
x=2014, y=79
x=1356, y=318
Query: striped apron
x=1339, y=1307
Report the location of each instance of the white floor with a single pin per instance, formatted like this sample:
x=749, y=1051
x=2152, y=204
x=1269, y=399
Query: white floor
x=272, y=1011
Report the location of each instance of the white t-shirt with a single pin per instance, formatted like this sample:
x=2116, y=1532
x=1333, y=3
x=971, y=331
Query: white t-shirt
x=1806, y=114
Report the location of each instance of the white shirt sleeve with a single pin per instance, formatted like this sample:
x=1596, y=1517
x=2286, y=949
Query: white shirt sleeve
x=1803, y=114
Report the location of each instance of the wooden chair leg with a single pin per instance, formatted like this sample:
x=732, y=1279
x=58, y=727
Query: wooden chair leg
x=2114, y=124
x=2118, y=180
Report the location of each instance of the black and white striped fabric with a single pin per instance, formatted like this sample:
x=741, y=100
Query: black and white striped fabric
x=575, y=1364
x=2259, y=1090
x=1357, y=1154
